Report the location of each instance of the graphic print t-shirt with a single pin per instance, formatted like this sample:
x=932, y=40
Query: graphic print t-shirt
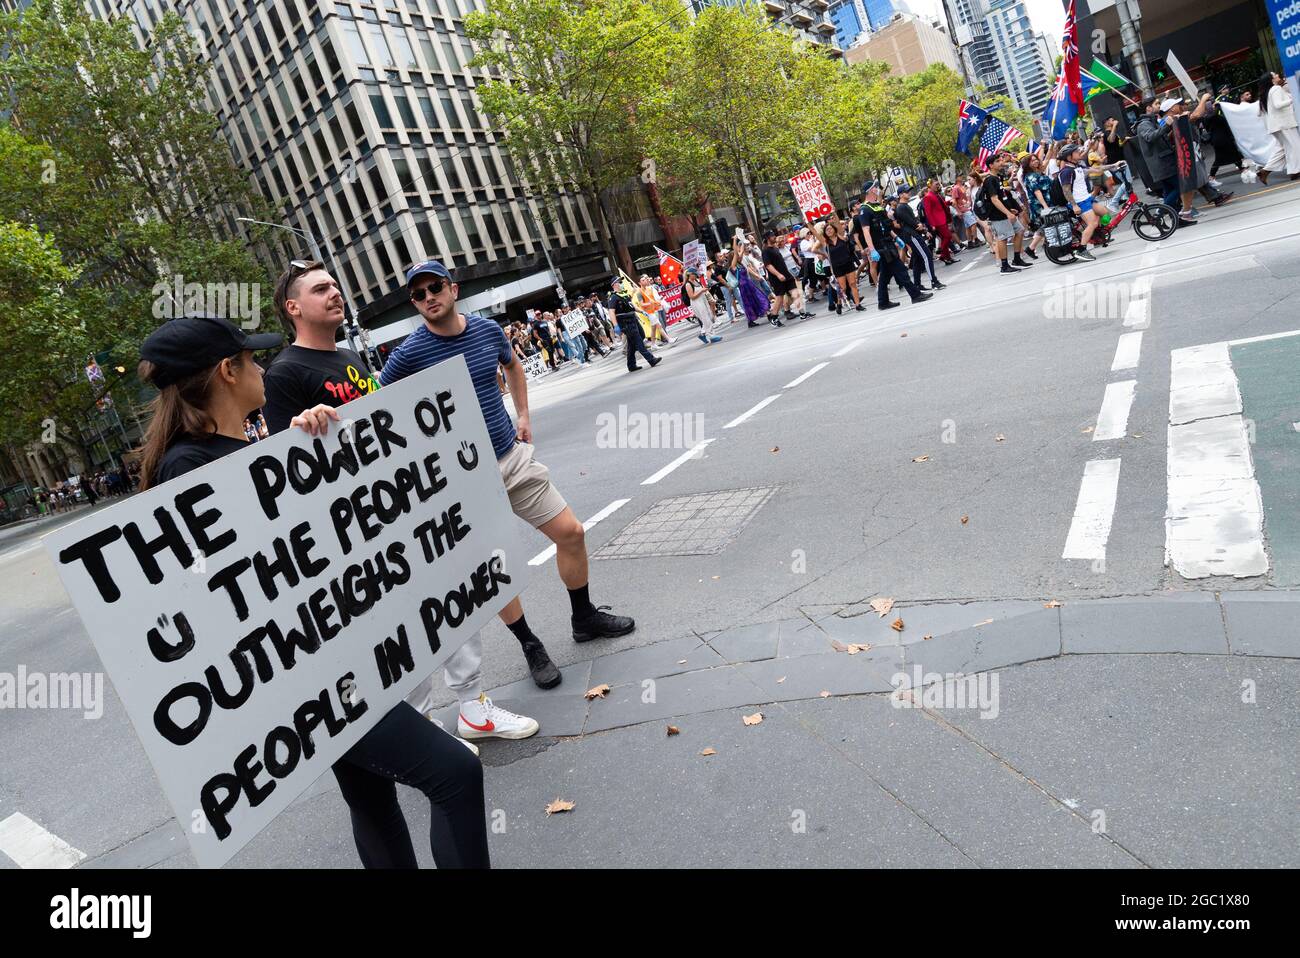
x=300, y=378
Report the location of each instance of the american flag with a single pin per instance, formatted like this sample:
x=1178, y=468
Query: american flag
x=996, y=134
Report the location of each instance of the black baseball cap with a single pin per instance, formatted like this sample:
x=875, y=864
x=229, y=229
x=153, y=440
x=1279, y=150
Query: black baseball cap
x=195, y=342
x=868, y=186
x=430, y=267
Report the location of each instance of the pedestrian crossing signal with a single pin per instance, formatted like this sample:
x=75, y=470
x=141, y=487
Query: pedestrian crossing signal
x=1159, y=69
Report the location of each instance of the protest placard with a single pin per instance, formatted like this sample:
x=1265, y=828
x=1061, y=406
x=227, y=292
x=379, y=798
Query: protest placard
x=695, y=257
x=810, y=194
x=575, y=321
x=534, y=365
x=675, y=304
x=258, y=615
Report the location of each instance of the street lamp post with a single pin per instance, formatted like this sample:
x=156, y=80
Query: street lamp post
x=350, y=326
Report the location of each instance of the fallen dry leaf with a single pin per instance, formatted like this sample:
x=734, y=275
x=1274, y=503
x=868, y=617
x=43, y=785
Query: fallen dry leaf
x=882, y=606
x=752, y=719
x=1052, y=605
x=559, y=805
x=920, y=458
x=710, y=751
x=838, y=646
x=824, y=694
x=999, y=438
x=860, y=647
x=965, y=519
x=599, y=692
x=674, y=730
x=897, y=625
x=780, y=680
x=902, y=335
x=776, y=448
x=1088, y=430
x=985, y=622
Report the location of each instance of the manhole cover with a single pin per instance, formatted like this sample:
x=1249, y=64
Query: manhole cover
x=701, y=524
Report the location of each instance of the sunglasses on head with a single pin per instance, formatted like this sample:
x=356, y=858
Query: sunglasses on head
x=433, y=289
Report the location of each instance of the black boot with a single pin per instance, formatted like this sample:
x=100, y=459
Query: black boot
x=543, y=670
x=599, y=624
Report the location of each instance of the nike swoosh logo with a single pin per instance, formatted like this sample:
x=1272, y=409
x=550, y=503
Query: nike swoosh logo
x=485, y=727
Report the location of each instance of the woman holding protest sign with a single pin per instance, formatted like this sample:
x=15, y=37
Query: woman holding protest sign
x=207, y=384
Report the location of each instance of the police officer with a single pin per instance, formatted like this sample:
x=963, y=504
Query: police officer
x=878, y=233
x=915, y=236
x=620, y=304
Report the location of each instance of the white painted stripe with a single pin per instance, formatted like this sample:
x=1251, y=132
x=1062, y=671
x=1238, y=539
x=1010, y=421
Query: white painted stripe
x=1202, y=383
x=1090, y=527
x=1214, y=518
x=844, y=351
x=795, y=382
x=1149, y=259
x=1261, y=339
x=1137, y=315
x=752, y=410
x=20, y=551
x=31, y=846
x=605, y=513
x=1142, y=285
x=1112, y=421
x=693, y=453
x=1127, y=352
x=972, y=262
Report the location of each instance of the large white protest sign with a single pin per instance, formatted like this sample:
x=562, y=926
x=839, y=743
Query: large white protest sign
x=534, y=365
x=811, y=195
x=257, y=616
x=575, y=321
x=695, y=257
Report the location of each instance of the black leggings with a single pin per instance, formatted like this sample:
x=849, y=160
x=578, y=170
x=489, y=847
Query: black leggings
x=406, y=747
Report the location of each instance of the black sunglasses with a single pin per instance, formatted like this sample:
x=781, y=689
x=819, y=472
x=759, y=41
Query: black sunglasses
x=433, y=289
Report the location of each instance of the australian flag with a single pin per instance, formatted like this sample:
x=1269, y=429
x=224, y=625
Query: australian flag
x=1062, y=112
x=969, y=118
x=995, y=135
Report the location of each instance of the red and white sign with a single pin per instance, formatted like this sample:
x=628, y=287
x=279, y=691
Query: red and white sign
x=676, y=305
x=811, y=195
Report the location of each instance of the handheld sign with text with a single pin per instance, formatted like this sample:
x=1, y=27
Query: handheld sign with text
x=676, y=304
x=258, y=615
x=575, y=321
x=811, y=195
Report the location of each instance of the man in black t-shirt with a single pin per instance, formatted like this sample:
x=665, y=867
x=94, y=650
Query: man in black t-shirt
x=779, y=278
x=1004, y=214
x=879, y=239
x=313, y=371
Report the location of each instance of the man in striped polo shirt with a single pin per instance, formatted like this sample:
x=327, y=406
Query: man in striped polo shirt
x=446, y=333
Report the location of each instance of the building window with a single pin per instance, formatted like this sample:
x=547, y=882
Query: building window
x=353, y=38
x=380, y=45
x=451, y=236
x=382, y=116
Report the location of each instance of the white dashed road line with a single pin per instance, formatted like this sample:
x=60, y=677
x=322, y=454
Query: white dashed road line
x=809, y=374
x=1127, y=351
x=752, y=410
x=1090, y=527
x=605, y=513
x=1112, y=421
x=693, y=453
x=845, y=350
x=31, y=846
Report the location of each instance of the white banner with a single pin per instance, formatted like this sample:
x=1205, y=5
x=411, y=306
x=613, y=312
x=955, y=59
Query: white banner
x=257, y=616
x=575, y=321
x=811, y=195
x=1183, y=76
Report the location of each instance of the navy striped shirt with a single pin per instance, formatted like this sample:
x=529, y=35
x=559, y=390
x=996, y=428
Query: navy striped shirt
x=484, y=346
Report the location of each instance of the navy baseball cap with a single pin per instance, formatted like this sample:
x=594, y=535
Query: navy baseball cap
x=868, y=186
x=430, y=267
x=196, y=342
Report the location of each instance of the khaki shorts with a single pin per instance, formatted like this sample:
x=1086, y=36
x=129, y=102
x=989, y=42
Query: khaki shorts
x=533, y=496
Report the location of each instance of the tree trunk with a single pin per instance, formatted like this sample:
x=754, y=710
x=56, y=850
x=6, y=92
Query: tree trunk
x=652, y=189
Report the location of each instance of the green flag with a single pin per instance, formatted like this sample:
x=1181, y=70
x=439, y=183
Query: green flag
x=1107, y=77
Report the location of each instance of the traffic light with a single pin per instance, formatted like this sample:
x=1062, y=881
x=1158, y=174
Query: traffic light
x=704, y=233
x=1159, y=70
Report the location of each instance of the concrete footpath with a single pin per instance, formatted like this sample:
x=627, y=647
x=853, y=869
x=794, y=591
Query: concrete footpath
x=1129, y=732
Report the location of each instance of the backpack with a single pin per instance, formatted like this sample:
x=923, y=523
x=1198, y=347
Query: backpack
x=1057, y=193
x=982, y=206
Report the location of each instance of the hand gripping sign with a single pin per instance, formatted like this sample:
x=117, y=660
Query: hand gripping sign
x=811, y=195
x=257, y=616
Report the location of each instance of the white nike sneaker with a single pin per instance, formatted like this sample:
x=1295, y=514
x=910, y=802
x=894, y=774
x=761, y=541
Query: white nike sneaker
x=469, y=745
x=482, y=719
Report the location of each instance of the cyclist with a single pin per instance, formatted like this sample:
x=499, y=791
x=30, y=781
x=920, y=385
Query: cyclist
x=1074, y=183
